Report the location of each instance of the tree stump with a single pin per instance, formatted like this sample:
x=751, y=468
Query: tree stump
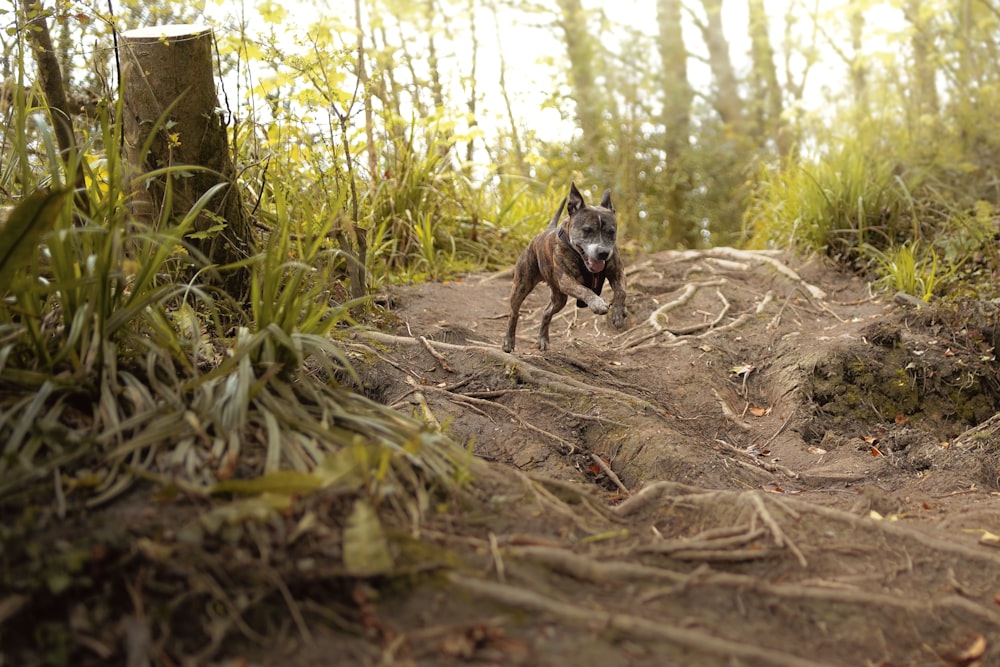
x=170, y=104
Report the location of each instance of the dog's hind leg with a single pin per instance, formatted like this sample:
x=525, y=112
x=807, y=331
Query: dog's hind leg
x=555, y=305
x=518, y=293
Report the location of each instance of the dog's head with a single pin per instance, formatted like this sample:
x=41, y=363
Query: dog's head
x=592, y=229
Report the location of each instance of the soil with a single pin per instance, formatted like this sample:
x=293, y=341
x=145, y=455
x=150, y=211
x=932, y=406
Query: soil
x=770, y=465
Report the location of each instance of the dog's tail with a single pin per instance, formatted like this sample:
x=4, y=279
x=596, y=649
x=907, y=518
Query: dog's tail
x=558, y=215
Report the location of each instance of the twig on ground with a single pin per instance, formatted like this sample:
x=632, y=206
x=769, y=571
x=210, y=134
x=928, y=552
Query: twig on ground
x=469, y=400
x=766, y=465
x=729, y=413
x=425, y=409
x=752, y=256
x=525, y=371
x=780, y=538
x=437, y=356
x=497, y=559
x=701, y=543
x=610, y=473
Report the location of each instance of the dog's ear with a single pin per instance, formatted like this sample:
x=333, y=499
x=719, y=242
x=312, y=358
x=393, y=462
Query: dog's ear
x=606, y=201
x=575, y=200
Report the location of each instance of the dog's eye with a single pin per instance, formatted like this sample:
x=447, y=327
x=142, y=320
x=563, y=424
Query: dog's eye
x=588, y=230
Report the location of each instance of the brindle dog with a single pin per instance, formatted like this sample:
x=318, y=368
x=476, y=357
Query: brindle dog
x=574, y=257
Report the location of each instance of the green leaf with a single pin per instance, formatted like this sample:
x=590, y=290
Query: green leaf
x=19, y=237
x=366, y=550
x=287, y=482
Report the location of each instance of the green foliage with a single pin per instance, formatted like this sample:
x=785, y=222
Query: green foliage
x=24, y=226
x=911, y=269
x=117, y=364
x=837, y=204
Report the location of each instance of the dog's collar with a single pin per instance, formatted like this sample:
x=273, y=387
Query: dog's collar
x=565, y=239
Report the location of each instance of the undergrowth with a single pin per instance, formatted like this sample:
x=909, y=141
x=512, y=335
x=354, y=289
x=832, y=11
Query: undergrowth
x=871, y=211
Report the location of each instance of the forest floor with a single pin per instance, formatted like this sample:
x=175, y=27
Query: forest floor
x=770, y=465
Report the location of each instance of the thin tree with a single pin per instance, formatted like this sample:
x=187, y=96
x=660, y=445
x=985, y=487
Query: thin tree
x=726, y=101
x=925, y=93
x=366, y=97
x=515, y=136
x=581, y=49
x=50, y=76
x=675, y=118
x=765, y=91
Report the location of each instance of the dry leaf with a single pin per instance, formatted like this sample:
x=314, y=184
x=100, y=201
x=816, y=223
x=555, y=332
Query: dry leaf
x=985, y=537
x=816, y=450
x=759, y=412
x=973, y=651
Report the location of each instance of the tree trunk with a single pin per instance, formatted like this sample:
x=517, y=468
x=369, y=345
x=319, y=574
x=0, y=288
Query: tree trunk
x=765, y=89
x=676, y=120
x=922, y=51
x=50, y=77
x=367, y=98
x=515, y=135
x=170, y=105
x=580, y=47
x=727, y=102
x=470, y=146
x=859, y=73
x=437, y=89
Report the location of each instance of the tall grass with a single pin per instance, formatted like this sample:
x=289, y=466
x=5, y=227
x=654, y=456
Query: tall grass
x=118, y=364
x=837, y=204
x=875, y=216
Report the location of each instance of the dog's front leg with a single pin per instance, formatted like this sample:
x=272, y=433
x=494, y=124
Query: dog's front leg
x=570, y=287
x=618, y=304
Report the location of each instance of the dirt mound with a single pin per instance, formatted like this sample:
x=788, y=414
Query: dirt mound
x=771, y=465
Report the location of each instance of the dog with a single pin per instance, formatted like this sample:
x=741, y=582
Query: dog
x=574, y=258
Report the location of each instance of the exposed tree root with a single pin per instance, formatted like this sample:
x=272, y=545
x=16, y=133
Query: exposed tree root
x=734, y=260
x=758, y=257
x=524, y=371
x=628, y=624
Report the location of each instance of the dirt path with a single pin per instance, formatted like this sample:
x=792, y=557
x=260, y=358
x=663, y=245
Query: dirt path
x=770, y=466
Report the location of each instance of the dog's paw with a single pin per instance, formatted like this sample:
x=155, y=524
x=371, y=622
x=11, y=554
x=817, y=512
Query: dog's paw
x=618, y=318
x=599, y=305
x=508, y=345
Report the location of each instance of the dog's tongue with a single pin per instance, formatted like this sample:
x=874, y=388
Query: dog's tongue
x=594, y=265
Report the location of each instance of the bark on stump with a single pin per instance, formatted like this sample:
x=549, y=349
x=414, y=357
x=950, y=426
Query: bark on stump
x=170, y=102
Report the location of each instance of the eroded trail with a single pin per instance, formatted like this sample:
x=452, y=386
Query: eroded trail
x=769, y=466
